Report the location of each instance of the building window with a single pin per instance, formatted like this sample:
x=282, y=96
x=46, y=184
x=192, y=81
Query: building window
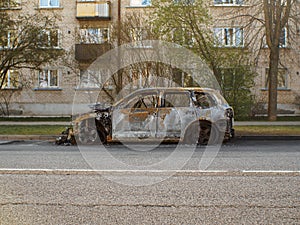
x=49, y=3
x=140, y=2
x=138, y=34
x=228, y=2
x=94, y=35
x=11, y=80
x=283, y=38
x=228, y=75
x=10, y=4
x=48, y=78
x=184, y=2
x=8, y=40
x=5, y=40
x=229, y=37
x=50, y=39
x=282, y=79
x=182, y=36
x=90, y=79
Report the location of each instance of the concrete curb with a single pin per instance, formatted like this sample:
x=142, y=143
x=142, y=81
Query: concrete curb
x=267, y=138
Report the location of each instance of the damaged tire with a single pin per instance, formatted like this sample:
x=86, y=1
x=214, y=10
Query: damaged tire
x=88, y=134
x=202, y=133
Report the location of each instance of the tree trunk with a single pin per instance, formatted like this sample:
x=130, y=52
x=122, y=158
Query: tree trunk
x=272, y=86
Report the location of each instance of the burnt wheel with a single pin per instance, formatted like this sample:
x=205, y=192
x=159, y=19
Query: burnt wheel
x=205, y=132
x=192, y=134
x=202, y=133
x=209, y=134
x=87, y=132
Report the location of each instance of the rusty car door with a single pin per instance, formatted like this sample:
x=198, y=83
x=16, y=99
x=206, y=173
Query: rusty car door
x=175, y=114
x=137, y=118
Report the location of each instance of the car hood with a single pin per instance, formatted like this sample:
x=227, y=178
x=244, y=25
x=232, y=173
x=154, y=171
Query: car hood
x=100, y=107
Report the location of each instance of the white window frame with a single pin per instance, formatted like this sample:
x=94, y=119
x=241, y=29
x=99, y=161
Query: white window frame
x=49, y=3
x=140, y=3
x=90, y=79
x=9, y=83
x=285, y=37
x=184, y=2
x=137, y=35
x=228, y=36
x=11, y=4
x=9, y=40
x=49, y=33
x=228, y=2
x=87, y=36
x=45, y=78
x=281, y=45
x=282, y=73
x=185, y=38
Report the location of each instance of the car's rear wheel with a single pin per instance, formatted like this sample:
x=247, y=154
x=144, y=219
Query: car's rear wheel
x=202, y=133
x=205, y=131
x=192, y=134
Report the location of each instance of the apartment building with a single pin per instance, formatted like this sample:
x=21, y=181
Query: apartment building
x=84, y=31
x=234, y=31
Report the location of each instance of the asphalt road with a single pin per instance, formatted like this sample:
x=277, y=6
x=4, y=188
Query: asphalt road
x=235, y=156
x=245, y=183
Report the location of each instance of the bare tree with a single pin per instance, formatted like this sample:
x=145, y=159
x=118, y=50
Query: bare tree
x=26, y=41
x=277, y=14
x=269, y=27
x=5, y=100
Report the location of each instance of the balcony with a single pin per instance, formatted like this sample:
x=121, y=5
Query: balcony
x=93, y=10
x=87, y=53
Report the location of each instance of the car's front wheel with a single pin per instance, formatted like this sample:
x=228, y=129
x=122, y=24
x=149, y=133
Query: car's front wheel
x=87, y=132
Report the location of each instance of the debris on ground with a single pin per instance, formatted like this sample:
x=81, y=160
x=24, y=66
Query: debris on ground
x=66, y=138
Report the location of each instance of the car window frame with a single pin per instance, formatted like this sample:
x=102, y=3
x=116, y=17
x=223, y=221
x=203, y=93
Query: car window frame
x=210, y=96
x=123, y=105
x=163, y=102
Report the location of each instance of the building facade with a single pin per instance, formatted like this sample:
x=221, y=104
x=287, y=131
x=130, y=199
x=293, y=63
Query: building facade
x=84, y=30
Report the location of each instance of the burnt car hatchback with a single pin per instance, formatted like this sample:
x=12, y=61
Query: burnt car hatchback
x=189, y=115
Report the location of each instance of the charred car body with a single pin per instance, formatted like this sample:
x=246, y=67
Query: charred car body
x=191, y=115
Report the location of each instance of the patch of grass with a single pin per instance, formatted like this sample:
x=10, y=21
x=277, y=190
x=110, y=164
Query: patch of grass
x=31, y=129
x=264, y=118
x=267, y=130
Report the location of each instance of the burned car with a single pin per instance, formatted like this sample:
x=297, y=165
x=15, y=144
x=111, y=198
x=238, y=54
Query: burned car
x=190, y=115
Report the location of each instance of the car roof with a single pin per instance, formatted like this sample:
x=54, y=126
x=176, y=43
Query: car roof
x=175, y=89
x=169, y=89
